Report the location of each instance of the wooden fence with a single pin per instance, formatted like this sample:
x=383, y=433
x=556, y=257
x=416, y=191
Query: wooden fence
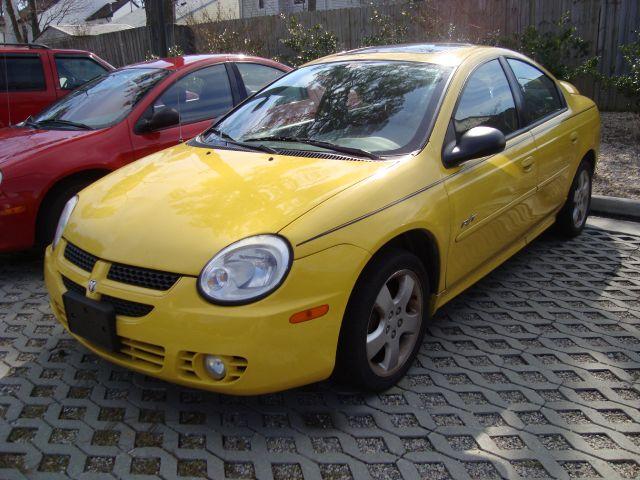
x=605, y=24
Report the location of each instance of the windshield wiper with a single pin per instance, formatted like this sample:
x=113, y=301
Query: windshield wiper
x=318, y=143
x=58, y=121
x=229, y=139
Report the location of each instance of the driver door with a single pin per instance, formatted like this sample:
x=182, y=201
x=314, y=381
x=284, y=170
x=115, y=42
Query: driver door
x=199, y=97
x=491, y=198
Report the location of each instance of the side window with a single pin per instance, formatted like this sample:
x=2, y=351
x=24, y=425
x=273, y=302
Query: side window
x=76, y=71
x=486, y=101
x=199, y=95
x=256, y=76
x=541, y=96
x=23, y=73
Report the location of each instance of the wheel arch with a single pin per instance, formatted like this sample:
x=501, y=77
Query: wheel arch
x=422, y=243
x=59, y=185
x=590, y=156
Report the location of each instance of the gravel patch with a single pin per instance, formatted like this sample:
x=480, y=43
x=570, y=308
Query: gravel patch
x=618, y=170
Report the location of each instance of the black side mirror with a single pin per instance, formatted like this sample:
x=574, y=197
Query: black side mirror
x=163, y=118
x=475, y=143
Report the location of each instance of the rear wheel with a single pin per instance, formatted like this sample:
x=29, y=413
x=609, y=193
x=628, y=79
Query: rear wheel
x=385, y=320
x=573, y=216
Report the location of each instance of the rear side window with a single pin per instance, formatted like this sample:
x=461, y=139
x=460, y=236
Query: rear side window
x=76, y=71
x=256, y=76
x=486, y=101
x=541, y=97
x=21, y=73
x=199, y=95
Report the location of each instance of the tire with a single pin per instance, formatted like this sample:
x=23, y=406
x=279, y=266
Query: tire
x=573, y=215
x=379, y=327
x=51, y=210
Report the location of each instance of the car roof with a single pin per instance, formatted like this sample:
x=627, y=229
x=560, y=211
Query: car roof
x=451, y=54
x=35, y=47
x=178, y=63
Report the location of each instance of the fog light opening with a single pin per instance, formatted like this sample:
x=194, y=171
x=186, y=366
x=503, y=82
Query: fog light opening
x=215, y=367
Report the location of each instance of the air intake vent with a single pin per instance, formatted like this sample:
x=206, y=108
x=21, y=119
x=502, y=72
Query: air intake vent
x=79, y=257
x=73, y=286
x=142, y=353
x=330, y=156
x=127, y=308
x=142, y=277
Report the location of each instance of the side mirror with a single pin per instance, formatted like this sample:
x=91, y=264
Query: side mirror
x=163, y=118
x=475, y=143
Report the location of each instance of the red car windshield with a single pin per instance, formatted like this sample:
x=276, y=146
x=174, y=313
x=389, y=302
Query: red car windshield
x=101, y=103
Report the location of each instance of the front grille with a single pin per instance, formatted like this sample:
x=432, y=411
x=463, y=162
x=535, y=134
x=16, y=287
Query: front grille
x=79, y=257
x=127, y=308
x=142, y=353
x=73, y=286
x=188, y=369
x=142, y=277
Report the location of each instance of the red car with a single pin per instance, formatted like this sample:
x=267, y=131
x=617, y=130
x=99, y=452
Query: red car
x=107, y=123
x=33, y=76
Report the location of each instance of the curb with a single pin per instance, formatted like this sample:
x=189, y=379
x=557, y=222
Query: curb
x=616, y=207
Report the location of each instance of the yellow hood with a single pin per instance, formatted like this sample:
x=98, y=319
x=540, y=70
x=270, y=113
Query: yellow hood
x=175, y=209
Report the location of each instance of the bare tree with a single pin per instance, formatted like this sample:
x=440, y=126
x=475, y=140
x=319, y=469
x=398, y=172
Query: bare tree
x=52, y=12
x=14, y=21
x=39, y=14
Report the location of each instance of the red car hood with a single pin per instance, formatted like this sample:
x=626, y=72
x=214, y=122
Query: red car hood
x=19, y=142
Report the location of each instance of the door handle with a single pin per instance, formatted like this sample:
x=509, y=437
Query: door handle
x=527, y=164
x=574, y=137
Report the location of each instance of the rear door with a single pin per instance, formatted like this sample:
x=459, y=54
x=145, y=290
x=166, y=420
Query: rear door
x=199, y=97
x=25, y=86
x=491, y=197
x=72, y=71
x=545, y=113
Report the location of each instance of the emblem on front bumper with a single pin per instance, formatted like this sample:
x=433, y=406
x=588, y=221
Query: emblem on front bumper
x=92, y=286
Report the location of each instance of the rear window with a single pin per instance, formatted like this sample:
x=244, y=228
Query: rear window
x=21, y=73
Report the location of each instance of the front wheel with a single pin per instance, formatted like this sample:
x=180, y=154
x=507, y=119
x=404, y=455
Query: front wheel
x=573, y=216
x=385, y=321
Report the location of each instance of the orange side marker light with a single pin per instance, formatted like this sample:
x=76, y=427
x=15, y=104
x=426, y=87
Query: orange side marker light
x=309, y=314
x=12, y=211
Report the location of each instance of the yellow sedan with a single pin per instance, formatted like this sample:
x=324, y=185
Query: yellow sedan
x=317, y=227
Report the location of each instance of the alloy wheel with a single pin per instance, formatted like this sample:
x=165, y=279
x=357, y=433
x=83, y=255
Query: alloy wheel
x=581, y=198
x=394, y=323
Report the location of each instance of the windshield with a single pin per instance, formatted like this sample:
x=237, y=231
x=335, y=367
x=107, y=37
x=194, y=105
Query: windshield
x=102, y=102
x=375, y=107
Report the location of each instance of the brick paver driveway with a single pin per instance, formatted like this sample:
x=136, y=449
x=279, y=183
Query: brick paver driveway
x=534, y=372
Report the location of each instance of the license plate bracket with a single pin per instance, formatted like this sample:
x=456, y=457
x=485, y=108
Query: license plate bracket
x=92, y=320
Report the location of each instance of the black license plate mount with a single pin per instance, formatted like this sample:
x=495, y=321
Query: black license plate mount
x=92, y=320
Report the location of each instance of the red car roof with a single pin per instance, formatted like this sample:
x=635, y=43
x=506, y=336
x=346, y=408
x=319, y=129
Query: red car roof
x=21, y=48
x=176, y=63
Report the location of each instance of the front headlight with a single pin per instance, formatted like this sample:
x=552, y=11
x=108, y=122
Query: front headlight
x=246, y=271
x=64, y=218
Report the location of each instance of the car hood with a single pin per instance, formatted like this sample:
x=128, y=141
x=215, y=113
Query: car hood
x=175, y=209
x=17, y=143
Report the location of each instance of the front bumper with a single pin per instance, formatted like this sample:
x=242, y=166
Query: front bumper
x=263, y=351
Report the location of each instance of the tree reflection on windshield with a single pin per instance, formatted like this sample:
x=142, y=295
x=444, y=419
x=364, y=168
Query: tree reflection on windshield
x=374, y=106
x=104, y=101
